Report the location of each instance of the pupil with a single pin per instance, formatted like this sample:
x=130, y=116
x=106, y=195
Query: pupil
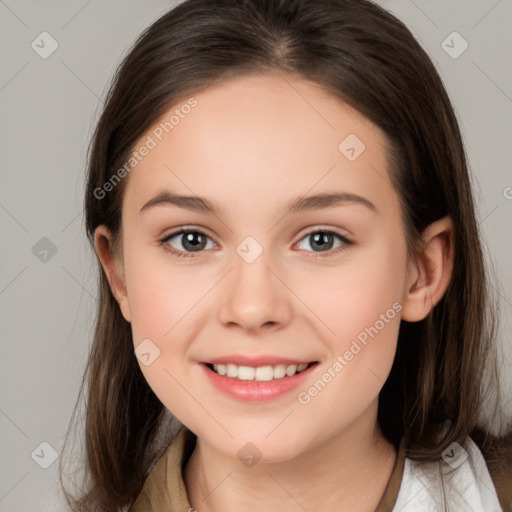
x=321, y=240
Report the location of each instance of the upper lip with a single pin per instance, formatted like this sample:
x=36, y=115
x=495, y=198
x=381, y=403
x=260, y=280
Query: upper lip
x=256, y=361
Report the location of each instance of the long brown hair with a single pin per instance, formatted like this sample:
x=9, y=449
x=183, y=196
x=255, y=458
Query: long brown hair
x=367, y=58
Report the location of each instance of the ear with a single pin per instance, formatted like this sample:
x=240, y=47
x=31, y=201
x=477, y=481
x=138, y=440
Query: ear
x=430, y=273
x=112, y=265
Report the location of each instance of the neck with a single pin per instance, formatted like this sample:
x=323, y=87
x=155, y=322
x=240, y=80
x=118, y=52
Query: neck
x=349, y=471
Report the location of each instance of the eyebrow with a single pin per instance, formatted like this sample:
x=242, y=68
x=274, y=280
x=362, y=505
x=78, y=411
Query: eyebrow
x=297, y=205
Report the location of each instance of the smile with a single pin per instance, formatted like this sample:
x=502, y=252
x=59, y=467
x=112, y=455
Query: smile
x=262, y=381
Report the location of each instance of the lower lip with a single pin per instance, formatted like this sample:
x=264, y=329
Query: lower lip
x=254, y=391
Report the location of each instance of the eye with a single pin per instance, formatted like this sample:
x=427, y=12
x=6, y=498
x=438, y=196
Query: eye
x=324, y=241
x=186, y=241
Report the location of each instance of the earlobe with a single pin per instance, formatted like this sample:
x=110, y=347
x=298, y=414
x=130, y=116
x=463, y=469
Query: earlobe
x=430, y=273
x=112, y=267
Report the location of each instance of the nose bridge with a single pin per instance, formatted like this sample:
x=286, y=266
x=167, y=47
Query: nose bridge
x=255, y=297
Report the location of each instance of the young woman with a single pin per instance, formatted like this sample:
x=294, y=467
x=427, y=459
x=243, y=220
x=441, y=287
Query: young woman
x=279, y=200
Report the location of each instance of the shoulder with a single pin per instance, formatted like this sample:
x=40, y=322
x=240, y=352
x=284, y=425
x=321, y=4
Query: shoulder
x=460, y=481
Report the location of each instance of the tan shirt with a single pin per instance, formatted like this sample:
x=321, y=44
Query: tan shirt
x=412, y=486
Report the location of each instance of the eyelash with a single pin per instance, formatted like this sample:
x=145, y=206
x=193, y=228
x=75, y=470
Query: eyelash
x=183, y=254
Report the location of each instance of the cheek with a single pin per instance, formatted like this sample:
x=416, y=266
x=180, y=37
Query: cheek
x=166, y=305
x=161, y=294
x=360, y=302
x=162, y=300
x=363, y=310
x=364, y=293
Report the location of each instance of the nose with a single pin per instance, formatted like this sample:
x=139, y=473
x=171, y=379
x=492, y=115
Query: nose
x=255, y=297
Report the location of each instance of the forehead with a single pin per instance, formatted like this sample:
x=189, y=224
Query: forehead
x=260, y=136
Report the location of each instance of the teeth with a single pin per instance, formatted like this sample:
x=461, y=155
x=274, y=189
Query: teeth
x=291, y=370
x=279, y=371
x=263, y=373
x=232, y=371
x=259, y=374
x=246, y=373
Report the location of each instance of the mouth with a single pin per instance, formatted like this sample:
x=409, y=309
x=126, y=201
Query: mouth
x=257, y=381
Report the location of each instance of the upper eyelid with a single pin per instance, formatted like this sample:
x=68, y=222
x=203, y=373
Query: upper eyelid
x=334, y=231
x=187, y=229
x=183, y=231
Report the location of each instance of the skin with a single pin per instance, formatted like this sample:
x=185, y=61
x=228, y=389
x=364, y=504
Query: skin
x=251, y=145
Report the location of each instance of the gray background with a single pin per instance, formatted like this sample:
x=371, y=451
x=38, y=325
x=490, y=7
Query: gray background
x=49, y=107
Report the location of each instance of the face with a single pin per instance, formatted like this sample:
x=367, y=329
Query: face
x=266, y=279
